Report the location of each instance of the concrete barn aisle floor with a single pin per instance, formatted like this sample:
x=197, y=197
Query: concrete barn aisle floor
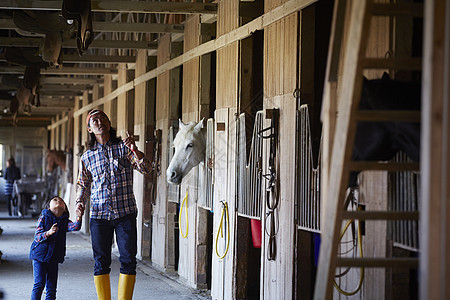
x=75, y=279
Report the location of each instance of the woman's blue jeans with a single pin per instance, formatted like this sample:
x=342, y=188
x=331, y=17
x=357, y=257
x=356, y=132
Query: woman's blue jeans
x=45, y=275
x=126, y=238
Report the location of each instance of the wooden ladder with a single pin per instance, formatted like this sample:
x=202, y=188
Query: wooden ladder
x=341, y=164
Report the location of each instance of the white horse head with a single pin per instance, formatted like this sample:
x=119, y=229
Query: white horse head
x=190, y=147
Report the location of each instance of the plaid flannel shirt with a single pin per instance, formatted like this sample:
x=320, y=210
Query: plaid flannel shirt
x=106, y=177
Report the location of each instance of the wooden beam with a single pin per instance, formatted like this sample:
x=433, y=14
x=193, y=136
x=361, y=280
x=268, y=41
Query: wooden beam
x=92, y=59
x=65, y=93
x=98, y=59
x=79, y=71
x=96, y=44
x=100, y=44
x=137, y=27
x=59, y=122
x=67, y=80
x=63, y=71
x=119, y=6
x=118, y=27
x=59, y=87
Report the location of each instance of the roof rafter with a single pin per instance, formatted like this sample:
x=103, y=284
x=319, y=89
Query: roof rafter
x=63, y=71
x=118, y=27
x=96, y=44
x=119, y=6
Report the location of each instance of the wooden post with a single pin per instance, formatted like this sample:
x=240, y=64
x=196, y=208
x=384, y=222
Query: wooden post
x=84, y=140
x=161, y=217
x=76, y=160
x=435, y=162
x=125, y=103
x=107, y=89
x=139, y=180
x=53, y=135
x=63, y=133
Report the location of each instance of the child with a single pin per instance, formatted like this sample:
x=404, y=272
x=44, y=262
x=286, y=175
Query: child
x=49, y=245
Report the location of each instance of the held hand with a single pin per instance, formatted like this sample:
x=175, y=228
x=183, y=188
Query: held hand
x=52, y=230
x=79, y=210
x=80, y=206
x=129, y=142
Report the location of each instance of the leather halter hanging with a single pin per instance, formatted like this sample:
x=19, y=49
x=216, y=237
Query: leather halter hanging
x=272, y=198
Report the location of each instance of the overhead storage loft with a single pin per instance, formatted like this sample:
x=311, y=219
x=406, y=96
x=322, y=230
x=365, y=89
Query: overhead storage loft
x=323, y=128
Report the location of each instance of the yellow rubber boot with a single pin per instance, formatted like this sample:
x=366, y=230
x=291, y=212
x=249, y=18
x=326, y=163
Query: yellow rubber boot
x=126, y=286
x=103, y=287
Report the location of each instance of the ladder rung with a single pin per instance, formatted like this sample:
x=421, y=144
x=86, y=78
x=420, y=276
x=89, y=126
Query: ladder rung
x=397, y=9
x=388, y=116
x=408, y=64
x=383, y=166
x=406, y=262
x=380, y=215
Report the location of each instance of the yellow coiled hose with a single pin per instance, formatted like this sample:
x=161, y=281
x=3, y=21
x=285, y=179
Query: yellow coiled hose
x=184, y=203
x=220, y=231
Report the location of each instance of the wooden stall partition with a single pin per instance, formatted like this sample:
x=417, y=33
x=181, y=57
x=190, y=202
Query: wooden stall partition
x=280, y=75
x=223, y=269
x=435, y=165
x=223, y=285
x=190, y=261
x=144, y=106
x=163, y=249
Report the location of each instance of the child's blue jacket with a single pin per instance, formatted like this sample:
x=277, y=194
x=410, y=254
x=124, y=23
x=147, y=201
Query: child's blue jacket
x=53, y=248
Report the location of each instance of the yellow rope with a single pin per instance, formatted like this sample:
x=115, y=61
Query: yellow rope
x=184, y=203
x=224, y=211
x=361, y=278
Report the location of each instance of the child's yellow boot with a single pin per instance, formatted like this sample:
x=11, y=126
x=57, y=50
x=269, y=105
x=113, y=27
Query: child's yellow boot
x=126, y=286
x=103, y=287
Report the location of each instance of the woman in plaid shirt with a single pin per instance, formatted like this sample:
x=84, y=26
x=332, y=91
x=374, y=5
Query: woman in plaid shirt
x=106, y=179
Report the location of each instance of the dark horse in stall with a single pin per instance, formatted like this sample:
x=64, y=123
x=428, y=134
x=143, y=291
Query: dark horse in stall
x=380, y=141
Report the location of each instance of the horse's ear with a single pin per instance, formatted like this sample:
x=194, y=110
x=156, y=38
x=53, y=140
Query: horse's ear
x=181, y=125
x=385, y=76
x=200, y=125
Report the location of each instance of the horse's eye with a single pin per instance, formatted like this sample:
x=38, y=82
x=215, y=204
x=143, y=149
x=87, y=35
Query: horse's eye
x=189, y=145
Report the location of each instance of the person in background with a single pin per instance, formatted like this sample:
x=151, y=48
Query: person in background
x=106, y=179
x=49, y=245
x=12, y=173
